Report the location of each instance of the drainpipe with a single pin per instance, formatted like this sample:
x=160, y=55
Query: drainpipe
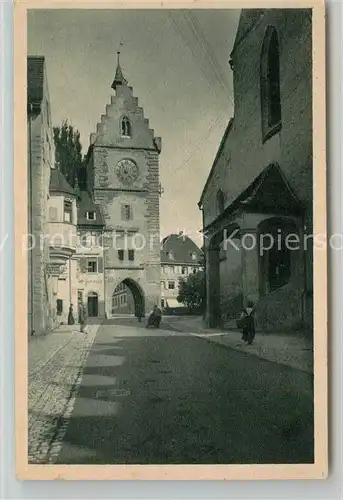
x=103, y=271
x=31, y=222
x=70, y=281
x=204, y=260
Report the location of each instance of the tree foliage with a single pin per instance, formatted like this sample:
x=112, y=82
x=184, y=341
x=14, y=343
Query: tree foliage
x=68, y=152
x=192, y=291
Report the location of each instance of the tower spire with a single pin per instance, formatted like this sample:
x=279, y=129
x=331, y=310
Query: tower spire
x=119, y=77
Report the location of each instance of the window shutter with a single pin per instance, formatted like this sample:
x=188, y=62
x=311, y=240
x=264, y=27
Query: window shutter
x=100, y=265
x=83, y=265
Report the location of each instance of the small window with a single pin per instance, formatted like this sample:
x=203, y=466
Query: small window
x=126, y=212
x=59, y=307
x=92, y=266
x=125, y=127
x=121, y=255
x=131, y=255
x=183, y=270
x=194, y=256
x=270, y=84
x=171, y=255
x=194, y=270
x=52, y=214
x=91, y=216
x=171, y=285
x=162, y=302
x=68, y=210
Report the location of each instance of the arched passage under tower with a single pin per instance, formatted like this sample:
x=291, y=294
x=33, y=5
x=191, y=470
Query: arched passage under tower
x=128, y=298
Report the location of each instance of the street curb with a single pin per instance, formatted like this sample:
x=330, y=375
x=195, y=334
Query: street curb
x=199, y=335
x=309, y=372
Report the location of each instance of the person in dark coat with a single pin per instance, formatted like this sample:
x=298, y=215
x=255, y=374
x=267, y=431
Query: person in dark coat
x=82, y=318
x=155, y=317
x=71, y=320
x=248, y=323
x=139, y=313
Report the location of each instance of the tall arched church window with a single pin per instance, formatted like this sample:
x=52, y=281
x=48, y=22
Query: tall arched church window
x=220, y=201
x=125, y=127
x=270, y=84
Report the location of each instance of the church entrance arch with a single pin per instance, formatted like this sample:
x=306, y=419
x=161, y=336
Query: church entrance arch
x=128, y=298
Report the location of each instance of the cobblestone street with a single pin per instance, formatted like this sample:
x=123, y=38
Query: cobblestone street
x=56, y=363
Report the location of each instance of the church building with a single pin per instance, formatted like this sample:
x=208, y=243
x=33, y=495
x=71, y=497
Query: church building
x=260, y=185
x=123, y=181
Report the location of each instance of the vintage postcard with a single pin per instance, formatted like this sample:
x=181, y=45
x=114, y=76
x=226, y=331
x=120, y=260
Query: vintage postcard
x=171, y=290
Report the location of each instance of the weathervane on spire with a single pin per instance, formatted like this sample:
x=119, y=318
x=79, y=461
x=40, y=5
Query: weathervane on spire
x=119, y=78
x=118, y=52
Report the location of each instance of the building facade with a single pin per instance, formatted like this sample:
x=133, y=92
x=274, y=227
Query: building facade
x=123, y=179
x=122, y=300
x=90, y=257
x=180, y=257
x=41, y=153
x=257, y=201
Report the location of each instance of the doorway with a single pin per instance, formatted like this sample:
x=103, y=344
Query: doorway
x=93, y=305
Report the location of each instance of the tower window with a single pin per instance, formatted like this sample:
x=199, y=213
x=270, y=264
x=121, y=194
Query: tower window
x=270, y=84
x=121, y=255
x=131, y=255
x=125, y=127
x=91, y=216
x=126, y=212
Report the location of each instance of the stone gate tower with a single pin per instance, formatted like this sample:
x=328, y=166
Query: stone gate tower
x=123, y=178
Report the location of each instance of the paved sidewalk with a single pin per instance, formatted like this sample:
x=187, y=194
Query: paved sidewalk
x=294, y=350
x=56, y=362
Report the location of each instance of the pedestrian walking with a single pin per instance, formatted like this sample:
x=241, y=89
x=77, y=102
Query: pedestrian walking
x=70, y=315
x=247, y=323
x=139, y=313
x=82, y=318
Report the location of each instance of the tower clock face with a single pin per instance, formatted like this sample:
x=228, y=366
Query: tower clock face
x=127, y=171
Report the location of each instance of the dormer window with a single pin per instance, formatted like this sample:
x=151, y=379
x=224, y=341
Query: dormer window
x=91, y=215
x=125, y=127
x=171, y=255
x=194, y=256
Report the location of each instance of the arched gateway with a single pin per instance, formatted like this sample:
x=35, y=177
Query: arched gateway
x=128, y=298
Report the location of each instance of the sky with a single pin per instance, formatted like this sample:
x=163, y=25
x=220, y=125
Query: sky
x=177, y=63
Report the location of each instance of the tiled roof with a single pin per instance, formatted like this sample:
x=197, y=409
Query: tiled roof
x=269, y=192
x=35, y=79
x=85, y=205
x=182, y=247
x=59, y=184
